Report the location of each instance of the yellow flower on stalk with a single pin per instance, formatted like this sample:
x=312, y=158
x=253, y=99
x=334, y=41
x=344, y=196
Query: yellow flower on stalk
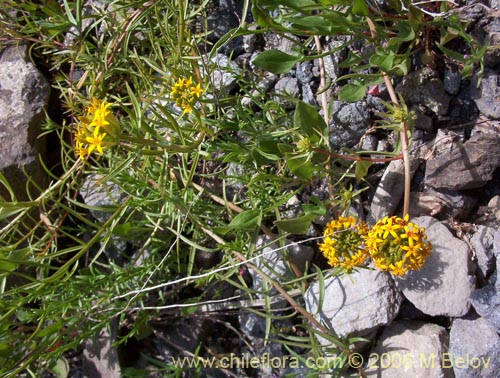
x=397, y=245
x=88, y=135
x=95, y=141
x=186, y=94
x=343, y=245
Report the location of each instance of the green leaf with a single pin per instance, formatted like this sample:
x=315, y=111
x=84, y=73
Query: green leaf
x=383, y=59
x=405, y=31
x=246, y=221
x=300, y=165
x=276, y=61
x=352, y=92
x=296, y=226
x=360, y=8
x=50, y=329
x=361, y=170
x=60, y=368
x=308, y=119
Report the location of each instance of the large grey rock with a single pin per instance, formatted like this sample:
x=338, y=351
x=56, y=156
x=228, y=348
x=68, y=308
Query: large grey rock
x=410, y=349
x=100, y=357
x=287, y=87
x=474, y=349
x=103, y=197
x=390, y=190
x=423, y=87
x=275, y=261
x=348, y=124
x=223, y=72
x=354, y=304
x=445, y=283
x=468, y=166
x=482, y=242
x=24, y=94
x=487, y=95
x=486, y=302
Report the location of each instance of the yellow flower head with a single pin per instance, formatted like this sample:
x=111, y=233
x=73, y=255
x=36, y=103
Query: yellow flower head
x=88, y=135
x=397, y=245
x=343, y=244
x=186, y=94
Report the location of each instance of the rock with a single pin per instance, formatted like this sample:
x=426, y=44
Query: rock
x=470, y=165
x=452, y=81
x=486, y=302
x=273, y=261
x=423, y=87
x=494, y=205
x=235, y=188
x=390, y=190
x=264, y=85
x=422, y=121
x=482, y=242
x=349, y=122
x=445, y=283
x=354, y=304
x=223, y=73
x=287, y=88
x=369, y=143
x=474, y=349
x=410, y=349
x=487, y=95
x=100, y=357
x=24, y=94
x=222, y=16
x=102, y=197
x=444, y=203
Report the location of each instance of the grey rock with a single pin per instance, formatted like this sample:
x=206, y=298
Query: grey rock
x=486, y=302
x=223, y=73
x=236, y=189
x=443, y=202
x=390, y=190
x=349, y=122
x=474, y=349
x=424, y=87
x=470, y=165
x=264, y=85
x=410, y=349
x=487, y=95
x=24, y=94
x=482, y=242
x=102, y=196
x=452, y=81
x=369, y=143
x=287, y=87
x=422, y=120
x=273, y=260
x=494, y=206
x=100, y=357
x=354, y=304
x=445, y=283
x=221, y=18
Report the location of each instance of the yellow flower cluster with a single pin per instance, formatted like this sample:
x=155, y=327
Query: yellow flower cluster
x=185, y=94
x=343, y=244
x=397, y=245
x=97, y=130
x=394, y=244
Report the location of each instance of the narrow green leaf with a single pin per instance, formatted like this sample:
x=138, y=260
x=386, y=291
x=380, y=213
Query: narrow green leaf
x=300, y=165
x=276, y=61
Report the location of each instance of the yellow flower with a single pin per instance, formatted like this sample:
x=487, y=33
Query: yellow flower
x=88, y=137
x=343, y=245
x=95, y=141
x=185, y=94
x=397, y=245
